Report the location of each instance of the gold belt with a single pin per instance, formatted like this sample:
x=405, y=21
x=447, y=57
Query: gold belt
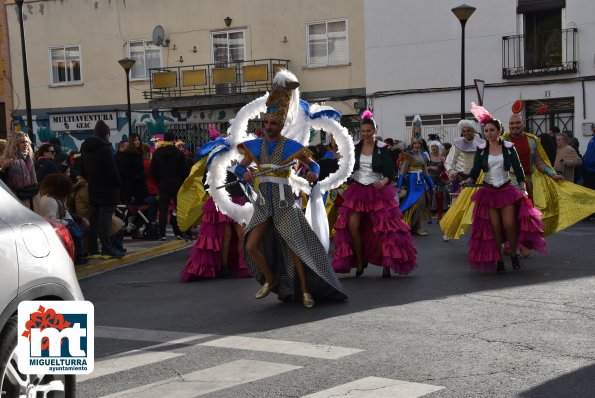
x=282, y=173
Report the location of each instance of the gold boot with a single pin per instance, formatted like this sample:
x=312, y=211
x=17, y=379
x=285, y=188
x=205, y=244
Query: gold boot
x=308, y=300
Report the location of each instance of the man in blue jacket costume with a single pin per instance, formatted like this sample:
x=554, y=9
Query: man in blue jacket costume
x=280, y=248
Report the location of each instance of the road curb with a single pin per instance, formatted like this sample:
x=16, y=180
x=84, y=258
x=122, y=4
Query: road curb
x=86, y=270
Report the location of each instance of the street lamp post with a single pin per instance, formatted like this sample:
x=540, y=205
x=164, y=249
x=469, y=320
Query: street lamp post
x=19, y=4
x=463, y=13
x=127, y=64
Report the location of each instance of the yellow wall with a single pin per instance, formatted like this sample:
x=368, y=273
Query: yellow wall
x=102, y=28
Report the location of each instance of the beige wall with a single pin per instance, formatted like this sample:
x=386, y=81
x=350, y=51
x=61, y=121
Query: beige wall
x=102, y=28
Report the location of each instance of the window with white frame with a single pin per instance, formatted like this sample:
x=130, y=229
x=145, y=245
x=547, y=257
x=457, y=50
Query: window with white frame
x=65, y=63
x=327, y=43
x=228, y=46
x=146, y=54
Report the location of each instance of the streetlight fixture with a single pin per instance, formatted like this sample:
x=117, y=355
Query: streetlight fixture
x=127, y=64
x=19, y=4
x=463, y=13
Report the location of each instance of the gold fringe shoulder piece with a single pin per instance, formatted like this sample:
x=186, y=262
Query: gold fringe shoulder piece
x=243, y=150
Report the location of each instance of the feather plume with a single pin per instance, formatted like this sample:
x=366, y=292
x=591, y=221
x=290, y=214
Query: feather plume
x=480, y=113
x=367, y=115
x=213, y=132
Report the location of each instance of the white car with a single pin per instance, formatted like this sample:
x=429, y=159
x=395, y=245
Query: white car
x=36, y=263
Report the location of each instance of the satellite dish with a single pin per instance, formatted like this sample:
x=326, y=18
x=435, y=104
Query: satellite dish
x=159, y=36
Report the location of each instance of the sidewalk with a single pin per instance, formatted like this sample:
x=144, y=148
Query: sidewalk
x=136, y=250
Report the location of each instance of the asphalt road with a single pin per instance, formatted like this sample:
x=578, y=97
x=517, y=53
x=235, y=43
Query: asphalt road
x=444, y=331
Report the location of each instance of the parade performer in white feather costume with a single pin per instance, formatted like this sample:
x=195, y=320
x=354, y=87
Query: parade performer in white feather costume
x=281, y=249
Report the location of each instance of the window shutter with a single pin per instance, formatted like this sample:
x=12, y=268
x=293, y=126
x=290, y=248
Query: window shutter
x=525, y=6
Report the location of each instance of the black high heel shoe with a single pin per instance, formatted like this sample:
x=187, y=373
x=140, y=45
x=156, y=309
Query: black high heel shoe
x=360, y=271
x=516, y=265
x=386, y=272
x=500, y=270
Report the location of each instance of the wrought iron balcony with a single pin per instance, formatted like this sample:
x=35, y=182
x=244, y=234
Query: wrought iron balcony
x=540, y=54
x=214, y=79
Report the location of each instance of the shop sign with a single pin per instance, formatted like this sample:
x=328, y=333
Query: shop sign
x=82, y=121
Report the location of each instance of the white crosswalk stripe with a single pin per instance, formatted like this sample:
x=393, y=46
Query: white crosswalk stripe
x=232, y=374
x=128, y=361
x=110, y=332
x=207, y=380
x=377, y=387
x=282, y=347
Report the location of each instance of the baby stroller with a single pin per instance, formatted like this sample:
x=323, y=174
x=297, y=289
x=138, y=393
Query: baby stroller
x=134, y=218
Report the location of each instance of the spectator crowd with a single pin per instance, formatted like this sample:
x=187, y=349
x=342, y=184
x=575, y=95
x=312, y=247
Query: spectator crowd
x=101, y=197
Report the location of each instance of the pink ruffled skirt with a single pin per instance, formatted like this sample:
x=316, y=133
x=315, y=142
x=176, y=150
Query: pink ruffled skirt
x=205, y=258
x=483, y=253
x=386, y=238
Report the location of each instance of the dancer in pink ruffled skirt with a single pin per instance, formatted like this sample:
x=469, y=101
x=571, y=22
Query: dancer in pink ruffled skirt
x=216, y=252
x=502, y=212
x=370, y=226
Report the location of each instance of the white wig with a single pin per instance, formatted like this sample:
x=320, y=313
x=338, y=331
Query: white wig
x=437, y=143
x=467, y=123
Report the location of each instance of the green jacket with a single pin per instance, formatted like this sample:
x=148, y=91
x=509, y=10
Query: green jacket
x=511, y=159
x=381, y=159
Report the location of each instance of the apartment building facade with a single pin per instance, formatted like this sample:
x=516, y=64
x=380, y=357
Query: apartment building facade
x=540, y=52
x=197, y=62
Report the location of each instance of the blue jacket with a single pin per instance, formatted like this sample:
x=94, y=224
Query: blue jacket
x=589, y=156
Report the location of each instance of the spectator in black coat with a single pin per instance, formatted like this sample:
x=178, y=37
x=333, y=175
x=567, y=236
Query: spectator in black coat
x=548, y=141
x=169, y=169
x=60, y=158
x=134, y=181
x=99, y=168
x=132, y=172
x=44, y=163
x=122, y=146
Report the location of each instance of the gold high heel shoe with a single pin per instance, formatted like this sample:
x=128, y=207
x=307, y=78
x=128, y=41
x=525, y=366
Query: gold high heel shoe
x=265, y=289
x=308, y=300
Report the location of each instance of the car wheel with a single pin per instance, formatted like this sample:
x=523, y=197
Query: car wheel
x=14, y=384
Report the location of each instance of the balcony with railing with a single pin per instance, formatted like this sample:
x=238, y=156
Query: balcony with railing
x=244, y=77
x=550, y=53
